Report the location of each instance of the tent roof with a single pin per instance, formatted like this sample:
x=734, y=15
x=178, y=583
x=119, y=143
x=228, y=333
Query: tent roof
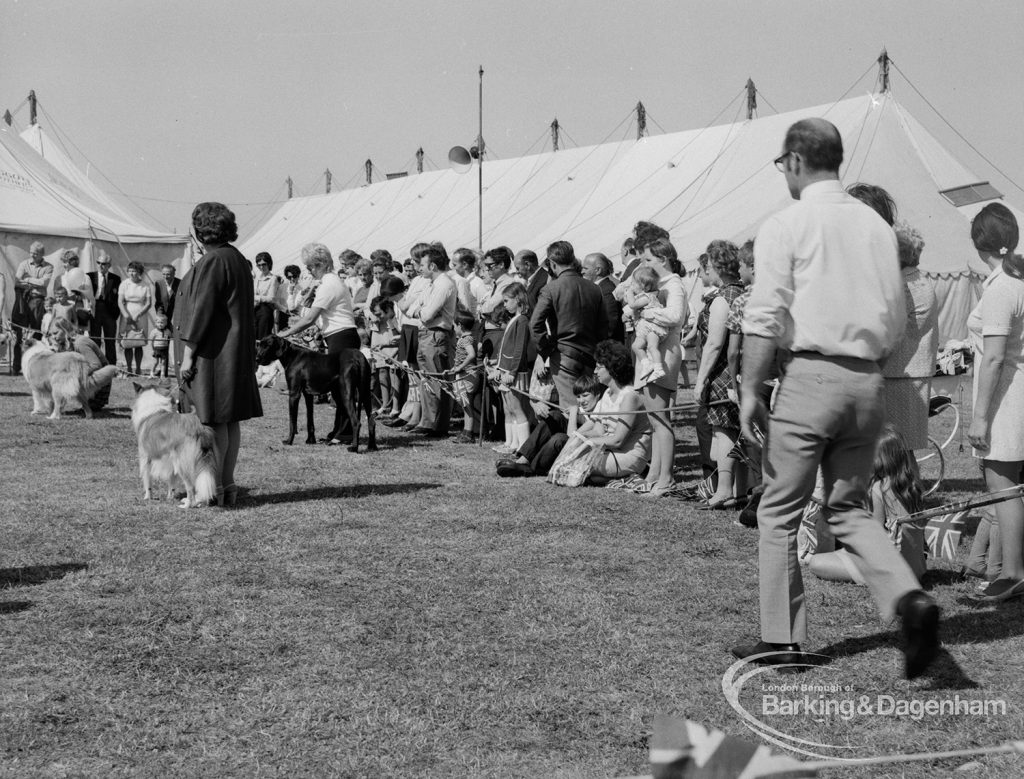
x=50, y=197
x=715, y=182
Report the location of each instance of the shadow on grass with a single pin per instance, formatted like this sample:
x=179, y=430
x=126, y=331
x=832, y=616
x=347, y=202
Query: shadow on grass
x=13, y=606
x=350, y=491
x=14, y=394
x=971, y=627
x=37, y=574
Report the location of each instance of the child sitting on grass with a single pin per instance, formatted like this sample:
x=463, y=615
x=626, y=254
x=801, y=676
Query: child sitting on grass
x=895, y=492
x=649, y=336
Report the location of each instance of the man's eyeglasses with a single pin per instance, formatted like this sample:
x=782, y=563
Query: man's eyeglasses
x=780, y=161
x=488, y=265
x=103, y=264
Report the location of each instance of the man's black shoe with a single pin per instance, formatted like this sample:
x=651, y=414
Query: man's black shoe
x=512, y=469
x=919, y=631
x=784, y=654
x=429, y=432
x=748, y=516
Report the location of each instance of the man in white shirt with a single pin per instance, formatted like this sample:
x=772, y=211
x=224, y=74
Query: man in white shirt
x=436, y=312
x=827, y=288
x=461, y=272
x=469, y=260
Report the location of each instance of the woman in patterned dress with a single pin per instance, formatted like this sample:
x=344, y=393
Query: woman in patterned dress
x=713, y=377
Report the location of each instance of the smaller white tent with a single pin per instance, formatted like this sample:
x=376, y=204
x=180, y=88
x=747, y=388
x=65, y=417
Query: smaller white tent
x=44, y=197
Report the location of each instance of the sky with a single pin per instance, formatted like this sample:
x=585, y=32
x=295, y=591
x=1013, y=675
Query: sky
x=173, y=103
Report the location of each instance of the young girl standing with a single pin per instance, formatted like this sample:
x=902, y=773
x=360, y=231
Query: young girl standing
x=895, y=493
x=384, y=335
x=515, y=359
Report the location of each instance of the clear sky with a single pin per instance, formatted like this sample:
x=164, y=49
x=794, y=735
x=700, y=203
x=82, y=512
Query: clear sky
x=182, y=101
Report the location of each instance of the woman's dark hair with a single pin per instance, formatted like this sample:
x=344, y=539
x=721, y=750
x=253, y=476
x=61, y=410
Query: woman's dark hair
x=646, y=232
x=994, y=230
x=501, y=255
x=136, y=265
x=895, y=463
x=381, y=254
x=292, y=270
x=265, y=257
x=391, y=285
x=724, y=257
x=663, y=249
x=616, y=359
x=588, y=383
x=386, y=306
x=214, y=223
x=876, y=197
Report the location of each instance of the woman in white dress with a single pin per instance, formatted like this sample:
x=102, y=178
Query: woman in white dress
x=996, y=328
x=908, y=370
x=134, y=298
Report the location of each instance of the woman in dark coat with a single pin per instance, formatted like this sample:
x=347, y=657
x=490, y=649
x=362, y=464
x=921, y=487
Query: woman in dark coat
x=215, y=329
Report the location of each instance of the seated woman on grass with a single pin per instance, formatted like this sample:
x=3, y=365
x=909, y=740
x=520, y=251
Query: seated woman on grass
x=549, y=436
x=895, y=493
x=619, y=422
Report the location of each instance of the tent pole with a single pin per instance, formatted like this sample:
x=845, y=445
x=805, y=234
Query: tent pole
x=31, y=106
x=480, y=168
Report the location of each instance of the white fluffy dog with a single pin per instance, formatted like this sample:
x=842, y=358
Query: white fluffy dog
x=57, y=377
x=174, y=448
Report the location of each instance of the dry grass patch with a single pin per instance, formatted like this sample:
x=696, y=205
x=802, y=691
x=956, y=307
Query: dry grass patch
x=405, y=613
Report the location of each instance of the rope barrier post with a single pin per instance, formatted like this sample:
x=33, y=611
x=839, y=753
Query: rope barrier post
x=483, y=410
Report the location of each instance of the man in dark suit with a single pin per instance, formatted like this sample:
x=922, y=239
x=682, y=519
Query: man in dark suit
x=598, y=269
x=103, y=327
x=166, y=290
x=568, y=322
x=534, y=277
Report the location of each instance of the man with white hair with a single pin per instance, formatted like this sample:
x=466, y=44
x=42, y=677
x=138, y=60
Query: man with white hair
x=105, y=286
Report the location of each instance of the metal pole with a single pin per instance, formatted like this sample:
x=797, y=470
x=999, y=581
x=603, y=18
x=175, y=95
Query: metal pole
x=480, y=167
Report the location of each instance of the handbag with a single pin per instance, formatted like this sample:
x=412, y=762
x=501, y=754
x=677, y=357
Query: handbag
x=575, y=462
x=133, y=338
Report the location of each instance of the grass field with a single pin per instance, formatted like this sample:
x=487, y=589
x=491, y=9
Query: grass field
x=406, y=613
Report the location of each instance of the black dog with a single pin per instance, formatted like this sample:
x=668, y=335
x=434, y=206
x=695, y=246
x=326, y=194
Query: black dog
x=346, y=376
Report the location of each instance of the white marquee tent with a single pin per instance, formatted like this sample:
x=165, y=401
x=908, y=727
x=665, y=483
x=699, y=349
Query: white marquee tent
x=717, y=182
x=45, y=197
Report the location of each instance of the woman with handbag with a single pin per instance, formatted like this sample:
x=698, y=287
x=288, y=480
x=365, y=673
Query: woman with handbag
x=134, y=298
